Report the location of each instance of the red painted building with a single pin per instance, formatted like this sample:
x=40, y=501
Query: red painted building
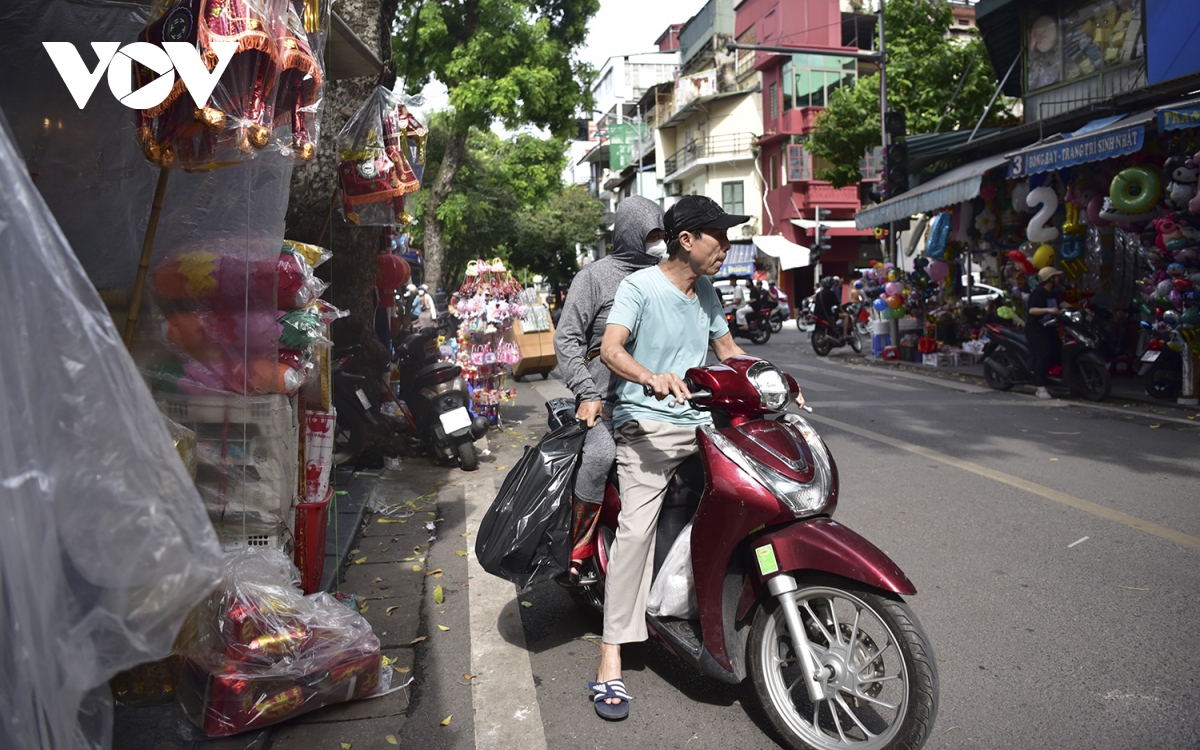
x=795, y=88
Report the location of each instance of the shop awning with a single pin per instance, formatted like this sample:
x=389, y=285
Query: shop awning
x=1179, y=116
x=833, y=227
x=957, y=185
x=739, y=261
x=790, y=254
x=1117, y=137
x=348, y=56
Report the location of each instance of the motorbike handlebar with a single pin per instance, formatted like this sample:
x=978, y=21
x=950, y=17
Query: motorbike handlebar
x=697, y=393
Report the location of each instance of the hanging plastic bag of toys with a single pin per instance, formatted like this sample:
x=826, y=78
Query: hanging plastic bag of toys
x=378, y=148
x=235, y=123
x=300, y=41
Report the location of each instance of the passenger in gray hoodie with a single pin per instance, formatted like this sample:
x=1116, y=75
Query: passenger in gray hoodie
x=638, y=242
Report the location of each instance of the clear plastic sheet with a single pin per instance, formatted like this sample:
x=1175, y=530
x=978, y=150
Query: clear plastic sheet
x=86, y=163
x=104, y=543
x=525, y=536
x=259, y=652
x=382, y=151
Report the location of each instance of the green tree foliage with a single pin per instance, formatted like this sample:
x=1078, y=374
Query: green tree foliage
x=924, y=68
x=508, y=200
x=507, y=61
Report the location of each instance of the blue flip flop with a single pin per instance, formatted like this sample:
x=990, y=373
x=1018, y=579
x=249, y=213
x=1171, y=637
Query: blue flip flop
x=602, y=691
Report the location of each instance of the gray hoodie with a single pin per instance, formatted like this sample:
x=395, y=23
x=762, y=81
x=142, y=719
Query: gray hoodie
x=585, y=314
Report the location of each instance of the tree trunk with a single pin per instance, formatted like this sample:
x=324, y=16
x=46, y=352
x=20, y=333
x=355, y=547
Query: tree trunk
x=435, y=253
x=313, y=214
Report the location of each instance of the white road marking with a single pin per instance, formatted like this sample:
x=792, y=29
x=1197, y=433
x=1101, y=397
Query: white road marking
x=1077, y=541
x=503, y=694
x=1087, y=506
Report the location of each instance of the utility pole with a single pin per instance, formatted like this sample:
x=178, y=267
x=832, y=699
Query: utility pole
x=891, y=238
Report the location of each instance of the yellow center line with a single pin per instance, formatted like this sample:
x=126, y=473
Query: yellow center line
x=1101, y=511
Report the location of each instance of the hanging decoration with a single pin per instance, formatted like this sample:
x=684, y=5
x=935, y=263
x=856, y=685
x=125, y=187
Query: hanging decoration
x=382, y=151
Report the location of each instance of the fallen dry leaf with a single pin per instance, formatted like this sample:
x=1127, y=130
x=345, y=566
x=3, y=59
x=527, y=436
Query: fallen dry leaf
x=1155, y=426
x=388, y=520
x=391, y=608
x=376, y=579
x=526, y=605
x=346, y=746
x=391, y=739
x=402, y=670
x=460, y=552
x=443, y=628
x=465, y=533
x=417, y=568
x=354, y=551
x=418, y=639
x=360, y=560
x=446, y=721
x=468, y=676
x=438, y=595
x=434, y=572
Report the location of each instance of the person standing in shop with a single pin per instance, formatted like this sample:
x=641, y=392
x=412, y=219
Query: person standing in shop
x=1043, y=339
x=637, y=243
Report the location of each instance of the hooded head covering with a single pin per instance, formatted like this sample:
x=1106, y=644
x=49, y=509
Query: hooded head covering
x=636, y=218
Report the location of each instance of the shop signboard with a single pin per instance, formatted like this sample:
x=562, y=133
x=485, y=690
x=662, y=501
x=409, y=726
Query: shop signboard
x=1177, y=118
x=1094, y=147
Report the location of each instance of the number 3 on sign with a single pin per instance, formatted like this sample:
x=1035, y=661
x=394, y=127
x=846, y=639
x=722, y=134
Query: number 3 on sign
x=1037, y=231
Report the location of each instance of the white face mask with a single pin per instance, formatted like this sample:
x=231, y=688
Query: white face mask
x=657, y=249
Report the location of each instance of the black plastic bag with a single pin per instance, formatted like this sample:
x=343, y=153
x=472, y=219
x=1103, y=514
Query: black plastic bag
x=525, y=536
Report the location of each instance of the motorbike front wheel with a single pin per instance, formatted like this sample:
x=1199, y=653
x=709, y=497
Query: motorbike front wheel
x=880, y=677
x=1163, y=380
x=995, y=379
x=856, y=341
x=760, y=334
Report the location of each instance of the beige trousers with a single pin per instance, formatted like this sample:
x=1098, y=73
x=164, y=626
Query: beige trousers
x=648, y=452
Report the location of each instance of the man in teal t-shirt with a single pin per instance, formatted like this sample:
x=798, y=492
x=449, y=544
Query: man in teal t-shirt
x=662, y=322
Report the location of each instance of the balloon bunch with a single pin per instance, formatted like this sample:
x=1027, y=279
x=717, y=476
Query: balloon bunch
x=895, y=294
x=1170, y=292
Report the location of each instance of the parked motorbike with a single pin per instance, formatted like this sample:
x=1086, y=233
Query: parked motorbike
x=826, y=338
x=1008, y=359
x=437, y=397
x=1162, y=369
x=355, y=412
x=781, y=593
x=757, y=327
x=805, y=317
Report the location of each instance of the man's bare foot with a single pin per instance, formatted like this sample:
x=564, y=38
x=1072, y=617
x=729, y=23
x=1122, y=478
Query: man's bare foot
x=610, y=666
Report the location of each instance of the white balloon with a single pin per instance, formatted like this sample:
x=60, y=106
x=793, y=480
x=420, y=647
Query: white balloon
x=1037, y=231
x=1019, y=195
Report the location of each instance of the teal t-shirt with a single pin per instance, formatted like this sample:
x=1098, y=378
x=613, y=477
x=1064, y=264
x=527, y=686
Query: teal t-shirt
x=668, y=332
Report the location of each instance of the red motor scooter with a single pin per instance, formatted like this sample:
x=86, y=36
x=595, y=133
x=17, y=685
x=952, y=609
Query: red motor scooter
x=782, y=593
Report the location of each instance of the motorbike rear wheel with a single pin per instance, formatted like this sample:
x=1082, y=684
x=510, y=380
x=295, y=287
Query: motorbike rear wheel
x=760, y=334
x=856, y=341
x=467, y=457
x=821, y=343
x=1092, y=380
x=880, y=673
x=995, y=379
x=1163, y=380
x=349, y=433
x=776, y=323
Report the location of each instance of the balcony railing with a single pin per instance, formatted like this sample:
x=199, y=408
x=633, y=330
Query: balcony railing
x=733, y=145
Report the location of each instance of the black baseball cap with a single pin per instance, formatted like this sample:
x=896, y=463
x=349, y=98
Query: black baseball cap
x=698, y=212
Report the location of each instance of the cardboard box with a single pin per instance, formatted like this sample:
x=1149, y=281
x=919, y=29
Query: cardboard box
x=537, y=351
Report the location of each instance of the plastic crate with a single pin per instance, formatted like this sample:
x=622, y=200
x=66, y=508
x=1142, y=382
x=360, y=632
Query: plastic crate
x=312, y=521
x=273, y=415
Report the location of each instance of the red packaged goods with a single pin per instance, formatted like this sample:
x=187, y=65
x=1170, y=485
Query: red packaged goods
x=259, y=652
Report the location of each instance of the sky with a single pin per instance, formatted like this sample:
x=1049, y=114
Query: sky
x=620, y=27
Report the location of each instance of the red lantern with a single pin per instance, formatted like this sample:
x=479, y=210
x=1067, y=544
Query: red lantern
x=391, y=272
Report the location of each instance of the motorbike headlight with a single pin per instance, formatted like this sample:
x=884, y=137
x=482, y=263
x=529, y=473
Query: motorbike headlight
x=770, y=384
x=803, y=499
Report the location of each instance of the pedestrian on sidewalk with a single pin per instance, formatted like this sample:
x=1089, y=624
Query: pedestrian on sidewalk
x=662, y=323
x=637, y=243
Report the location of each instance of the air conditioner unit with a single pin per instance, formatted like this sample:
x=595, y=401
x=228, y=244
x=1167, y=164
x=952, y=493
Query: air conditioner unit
x=675, y=187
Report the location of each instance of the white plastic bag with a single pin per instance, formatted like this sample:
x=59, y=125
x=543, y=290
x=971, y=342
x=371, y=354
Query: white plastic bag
x=674, y=591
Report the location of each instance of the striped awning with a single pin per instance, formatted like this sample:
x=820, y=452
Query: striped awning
x=739, y=261
x=958, y=185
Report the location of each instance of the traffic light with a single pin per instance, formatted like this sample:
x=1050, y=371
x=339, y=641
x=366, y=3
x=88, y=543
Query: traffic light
x=895, y=156
x=822, y=243
x=895, y=170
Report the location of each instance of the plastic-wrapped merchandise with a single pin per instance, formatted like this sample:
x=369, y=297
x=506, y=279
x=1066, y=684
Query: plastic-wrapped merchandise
x=314, y=255
x=237, y=121
x=525, y=536
x=300, y=41
x=382, y=150
x=104, y=543
x=674, y=591
x=259, y=652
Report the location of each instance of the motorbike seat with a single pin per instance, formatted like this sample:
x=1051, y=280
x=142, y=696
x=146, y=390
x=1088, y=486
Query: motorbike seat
x=438, y=372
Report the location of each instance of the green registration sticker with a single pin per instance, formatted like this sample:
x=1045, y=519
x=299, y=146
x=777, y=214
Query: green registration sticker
x=766, y=560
